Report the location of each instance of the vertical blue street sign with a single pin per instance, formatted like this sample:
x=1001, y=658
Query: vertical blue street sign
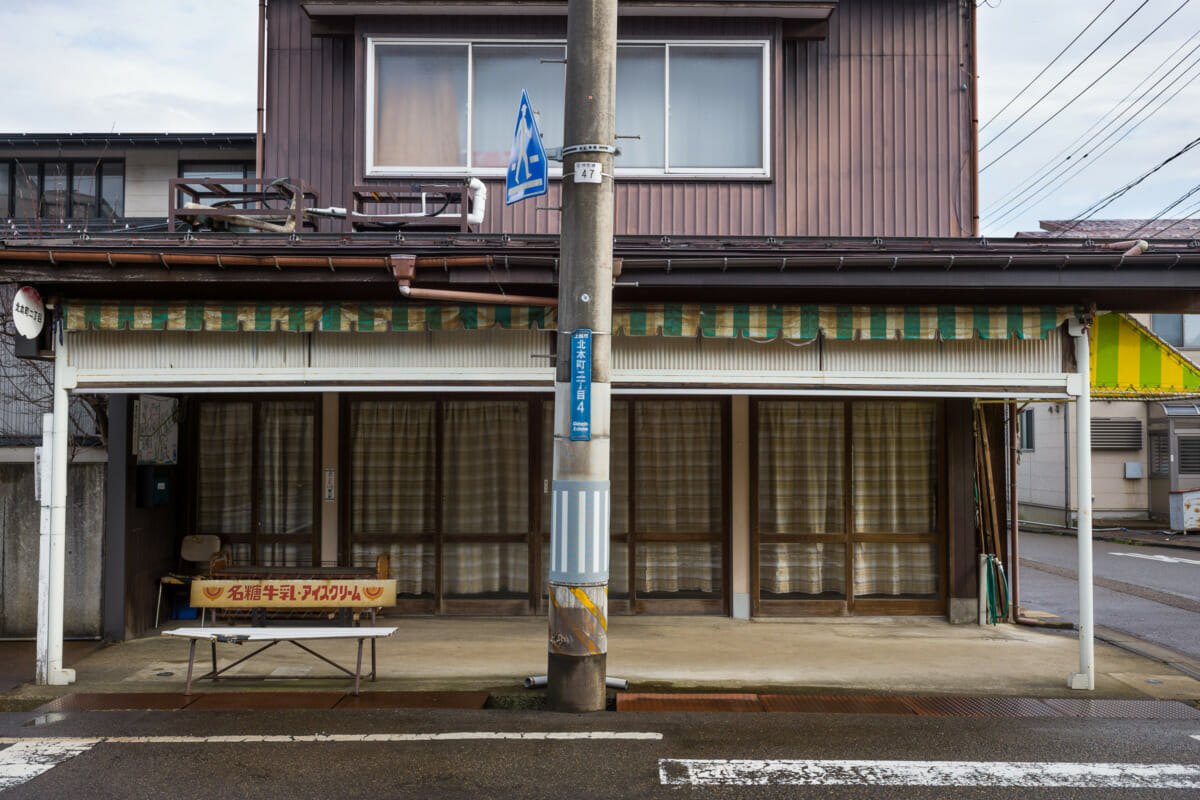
x=528, y=167
x=581, y=385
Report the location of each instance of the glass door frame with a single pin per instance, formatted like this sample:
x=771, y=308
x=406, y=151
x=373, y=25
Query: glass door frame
x=850, y=605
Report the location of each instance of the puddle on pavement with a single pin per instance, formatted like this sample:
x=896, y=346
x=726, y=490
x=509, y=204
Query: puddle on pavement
x=45, y=719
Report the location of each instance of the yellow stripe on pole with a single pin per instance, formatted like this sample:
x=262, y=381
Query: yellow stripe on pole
x=590, y=606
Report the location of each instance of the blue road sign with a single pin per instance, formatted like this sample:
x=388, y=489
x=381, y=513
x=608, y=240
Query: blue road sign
x=528, y=167
x=581, y=385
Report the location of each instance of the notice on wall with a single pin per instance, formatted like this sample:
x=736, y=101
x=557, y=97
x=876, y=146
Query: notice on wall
x=156, y=429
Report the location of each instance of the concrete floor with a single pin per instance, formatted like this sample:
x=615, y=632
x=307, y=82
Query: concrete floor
x=921, y=656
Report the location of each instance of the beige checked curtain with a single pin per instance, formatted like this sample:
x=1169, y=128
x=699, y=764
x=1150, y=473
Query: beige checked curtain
x=285, y=501
x=895, y=492
x=678, y=490
x=283, y=437
x=224, y=458
x=393, y=463
x=485, y=474
x=801, y=472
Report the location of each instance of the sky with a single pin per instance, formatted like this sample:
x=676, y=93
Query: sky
x=185, y=66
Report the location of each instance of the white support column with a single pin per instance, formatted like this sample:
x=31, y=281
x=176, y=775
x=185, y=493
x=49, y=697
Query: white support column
x=43, y=461
x=1085, y=678
x=52, y=593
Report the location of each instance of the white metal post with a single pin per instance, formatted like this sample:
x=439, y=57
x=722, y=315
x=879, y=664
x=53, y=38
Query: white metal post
x=54, y=590
x=1086, y=677
x=43, y=462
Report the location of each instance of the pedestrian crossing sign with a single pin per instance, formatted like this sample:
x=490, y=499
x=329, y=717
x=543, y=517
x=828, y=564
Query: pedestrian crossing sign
x=528, y=167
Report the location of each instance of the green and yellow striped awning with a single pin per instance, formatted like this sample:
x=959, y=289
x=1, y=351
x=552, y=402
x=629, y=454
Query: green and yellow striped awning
x=795, y=322
x=1129, y=362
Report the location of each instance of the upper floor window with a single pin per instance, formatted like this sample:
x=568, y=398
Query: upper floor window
x=1181, y=330
x=699, y=108
x=59, y=189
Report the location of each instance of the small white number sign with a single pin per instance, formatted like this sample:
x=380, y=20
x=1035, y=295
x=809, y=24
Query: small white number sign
x=587, y=172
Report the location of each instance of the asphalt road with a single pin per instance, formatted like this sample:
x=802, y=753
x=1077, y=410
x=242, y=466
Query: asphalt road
x=498, y=754
x=1152, y=593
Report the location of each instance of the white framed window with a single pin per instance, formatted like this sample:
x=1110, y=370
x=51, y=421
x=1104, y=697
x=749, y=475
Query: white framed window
x=447, y=107
x=1025, y=429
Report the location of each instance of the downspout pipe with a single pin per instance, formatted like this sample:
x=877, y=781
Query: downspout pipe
x=262, y=89
x=1085, y=678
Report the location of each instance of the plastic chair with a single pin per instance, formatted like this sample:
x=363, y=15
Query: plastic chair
x=196, y=550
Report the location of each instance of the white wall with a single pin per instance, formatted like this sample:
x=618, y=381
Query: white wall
x=1040, y=476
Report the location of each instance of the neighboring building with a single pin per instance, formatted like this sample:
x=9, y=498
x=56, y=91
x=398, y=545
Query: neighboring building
x=1142, y=443
x=66, y=184
x=802, y=334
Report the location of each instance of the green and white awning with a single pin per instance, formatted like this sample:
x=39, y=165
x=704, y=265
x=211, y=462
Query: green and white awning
x=756, y=321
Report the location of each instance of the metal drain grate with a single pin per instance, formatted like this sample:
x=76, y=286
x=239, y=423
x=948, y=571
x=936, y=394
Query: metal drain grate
x=834, y=704
x=981, y=707
x=1125, y=709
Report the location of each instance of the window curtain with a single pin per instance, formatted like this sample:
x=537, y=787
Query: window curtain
x=678, y=490
x=392, y=493
x=286, y=481
x=485, y=474
x=224, y=459
x=895, y=492
x=801, y=449
x=420, y=105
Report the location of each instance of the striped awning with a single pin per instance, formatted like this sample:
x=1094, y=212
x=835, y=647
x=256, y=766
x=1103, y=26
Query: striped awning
x=1130, y=362
x=794, y=322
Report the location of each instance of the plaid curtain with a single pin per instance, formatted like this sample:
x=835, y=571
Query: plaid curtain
x=485, y=474
x=678, y=490
x=285, y=502
x=895, y=491
x=801, y=462
x=224, y=457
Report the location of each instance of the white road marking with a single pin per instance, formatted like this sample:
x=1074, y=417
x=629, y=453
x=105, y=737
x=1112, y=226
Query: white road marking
x=540, y=736
x=927, y=773
x=1163, y=559
x=28, y=758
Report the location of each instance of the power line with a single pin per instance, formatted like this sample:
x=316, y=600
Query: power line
x=1053, y=61
x=1144, y=90
x=1087, y=88
x=1071, y=171
x=1053, y=168
x=1064, y=77
x=1105, y=202
x=1166, y=210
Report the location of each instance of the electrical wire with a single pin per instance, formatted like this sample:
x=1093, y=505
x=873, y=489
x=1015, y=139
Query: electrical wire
x=1069, y=74
x=1181, y=199
x=1042, y=173
x=1087, y=88
x=1109, y=199
x=1053, y=61
x=1068, y=170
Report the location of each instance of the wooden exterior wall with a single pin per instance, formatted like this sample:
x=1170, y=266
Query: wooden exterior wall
x=870, y=128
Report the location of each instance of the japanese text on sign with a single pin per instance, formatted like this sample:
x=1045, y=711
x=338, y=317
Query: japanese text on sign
x=581, y=385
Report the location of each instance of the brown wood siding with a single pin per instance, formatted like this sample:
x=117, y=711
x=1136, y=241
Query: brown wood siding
x=869, y=128
x=875, y=124
x=310, y=127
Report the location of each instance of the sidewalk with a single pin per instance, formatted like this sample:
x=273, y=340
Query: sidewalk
x=875, y=656
x=1135, y=532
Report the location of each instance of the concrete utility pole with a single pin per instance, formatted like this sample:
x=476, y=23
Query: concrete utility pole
x=578, y=573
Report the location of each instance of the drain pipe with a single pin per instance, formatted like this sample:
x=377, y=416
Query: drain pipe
x=540, y=681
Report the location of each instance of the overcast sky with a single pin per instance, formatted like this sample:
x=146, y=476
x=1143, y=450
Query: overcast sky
x=178, y=65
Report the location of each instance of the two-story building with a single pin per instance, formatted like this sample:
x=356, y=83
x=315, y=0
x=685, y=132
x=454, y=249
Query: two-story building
x=804, y=326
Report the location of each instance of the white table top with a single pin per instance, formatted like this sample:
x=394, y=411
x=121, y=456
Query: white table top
x=269, y=634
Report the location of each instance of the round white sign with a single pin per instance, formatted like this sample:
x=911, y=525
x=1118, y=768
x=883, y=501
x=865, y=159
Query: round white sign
x=29, y=313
